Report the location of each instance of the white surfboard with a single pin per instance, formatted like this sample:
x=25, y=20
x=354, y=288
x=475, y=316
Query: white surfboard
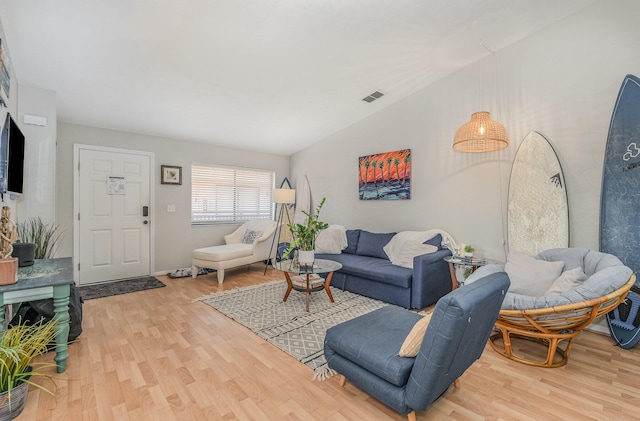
x=303, y=200
x=538, y=211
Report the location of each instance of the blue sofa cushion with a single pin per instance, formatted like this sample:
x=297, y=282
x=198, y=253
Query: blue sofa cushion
x=435, y=241
x=356, y=340
x=372, y=243
x=379, y=270
x=352, y=241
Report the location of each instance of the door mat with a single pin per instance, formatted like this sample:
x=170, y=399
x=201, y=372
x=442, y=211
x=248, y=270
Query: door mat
x=107, y=289
x=287, y=325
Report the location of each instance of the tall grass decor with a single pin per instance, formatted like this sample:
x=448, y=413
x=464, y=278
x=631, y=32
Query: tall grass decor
x=19, y=345
x=46, y=237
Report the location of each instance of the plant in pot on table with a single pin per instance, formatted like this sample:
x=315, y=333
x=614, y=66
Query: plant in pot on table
x=304, y=236
x=19, y=345
x=468, y=254
x=37, y=240
x=468, y=251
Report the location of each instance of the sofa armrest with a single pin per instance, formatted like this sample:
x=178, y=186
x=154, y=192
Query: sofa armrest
x=431, y=278
x=264, y=245
x=236, y=236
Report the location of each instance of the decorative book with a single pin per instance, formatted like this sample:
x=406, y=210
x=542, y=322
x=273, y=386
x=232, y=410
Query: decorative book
x=301, y=280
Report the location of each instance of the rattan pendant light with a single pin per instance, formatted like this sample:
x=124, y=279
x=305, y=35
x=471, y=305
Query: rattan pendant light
x=481, y=134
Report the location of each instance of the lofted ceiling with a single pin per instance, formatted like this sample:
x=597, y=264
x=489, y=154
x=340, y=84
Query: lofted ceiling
x=264, y=75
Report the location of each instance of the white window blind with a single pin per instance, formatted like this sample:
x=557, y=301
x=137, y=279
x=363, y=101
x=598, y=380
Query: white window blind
x=222, y=194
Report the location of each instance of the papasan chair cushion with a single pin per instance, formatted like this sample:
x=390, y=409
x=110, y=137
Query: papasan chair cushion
x=605, y=273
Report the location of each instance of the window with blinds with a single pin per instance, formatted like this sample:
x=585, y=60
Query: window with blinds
x=223, y=194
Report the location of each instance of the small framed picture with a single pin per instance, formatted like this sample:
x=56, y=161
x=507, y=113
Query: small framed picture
x=170, y=174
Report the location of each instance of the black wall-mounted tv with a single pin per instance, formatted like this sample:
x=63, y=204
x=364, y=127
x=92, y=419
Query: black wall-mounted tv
x=11, y=158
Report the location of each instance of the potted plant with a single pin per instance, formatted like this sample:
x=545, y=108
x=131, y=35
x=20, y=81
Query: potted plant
x=468, y=251
x=304, y=236
x=19, y=345
x=37, y=240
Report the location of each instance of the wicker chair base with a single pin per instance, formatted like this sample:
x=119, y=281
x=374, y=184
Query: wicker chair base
x=557, y=348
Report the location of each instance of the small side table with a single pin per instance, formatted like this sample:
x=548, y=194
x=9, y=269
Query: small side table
x=461, y=261
x=47, y=278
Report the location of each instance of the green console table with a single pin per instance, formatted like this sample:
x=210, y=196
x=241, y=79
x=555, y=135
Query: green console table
x=47, y=278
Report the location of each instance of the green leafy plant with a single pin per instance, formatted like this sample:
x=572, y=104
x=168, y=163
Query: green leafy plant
x=19, y=345
x=304, y=236
x=469, y=249
x=46, y=237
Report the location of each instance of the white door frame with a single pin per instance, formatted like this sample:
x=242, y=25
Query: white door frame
x=76, y=202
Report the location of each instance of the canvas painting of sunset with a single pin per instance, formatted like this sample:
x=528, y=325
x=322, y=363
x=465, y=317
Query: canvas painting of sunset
x=385, y=176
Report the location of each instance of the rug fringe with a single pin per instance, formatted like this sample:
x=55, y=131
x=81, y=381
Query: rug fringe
x=323, y=373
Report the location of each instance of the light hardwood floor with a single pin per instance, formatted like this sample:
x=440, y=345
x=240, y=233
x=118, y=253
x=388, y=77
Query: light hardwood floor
x=156, y=355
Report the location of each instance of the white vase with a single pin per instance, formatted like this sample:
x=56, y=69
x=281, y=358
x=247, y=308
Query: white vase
x=306, y=257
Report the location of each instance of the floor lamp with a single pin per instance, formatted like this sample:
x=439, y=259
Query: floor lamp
x=282, y=198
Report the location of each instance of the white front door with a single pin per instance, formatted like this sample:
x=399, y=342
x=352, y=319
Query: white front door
x=112, y=195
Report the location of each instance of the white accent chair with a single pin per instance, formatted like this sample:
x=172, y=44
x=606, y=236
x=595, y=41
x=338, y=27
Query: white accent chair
x=235, y=253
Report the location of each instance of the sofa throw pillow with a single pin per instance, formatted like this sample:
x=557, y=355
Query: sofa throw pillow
x=569, y=279
x=352, y=241
x=435, y=241
x=530, y=276
x=411, y=249
x=411, y=345
x=372, y=243
x=250, y=236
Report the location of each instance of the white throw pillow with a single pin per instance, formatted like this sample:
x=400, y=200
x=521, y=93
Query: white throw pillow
x=569, y=279
x=411, y=249
x=530, y=276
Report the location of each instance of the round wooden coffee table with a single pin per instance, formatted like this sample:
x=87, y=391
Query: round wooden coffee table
x=307, y=286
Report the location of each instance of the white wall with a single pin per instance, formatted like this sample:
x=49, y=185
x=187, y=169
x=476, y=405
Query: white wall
x=175, y=238
x=562, y=82
x=40, y=154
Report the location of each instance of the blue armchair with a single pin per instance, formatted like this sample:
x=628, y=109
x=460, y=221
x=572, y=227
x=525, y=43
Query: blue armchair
x=365, y=350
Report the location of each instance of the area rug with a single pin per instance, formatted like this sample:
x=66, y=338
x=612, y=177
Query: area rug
x=107, y=289
x=287, y=325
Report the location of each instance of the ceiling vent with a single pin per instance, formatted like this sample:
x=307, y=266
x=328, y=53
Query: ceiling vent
x=372, y=97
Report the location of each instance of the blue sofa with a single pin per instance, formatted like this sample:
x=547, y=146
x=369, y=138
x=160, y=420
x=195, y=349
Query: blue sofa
x=366, y=270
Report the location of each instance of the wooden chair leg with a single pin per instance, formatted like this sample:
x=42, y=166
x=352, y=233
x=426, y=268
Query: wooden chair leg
x=411, y=416
x=343, y=380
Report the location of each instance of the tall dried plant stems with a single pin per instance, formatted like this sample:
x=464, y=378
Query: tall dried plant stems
x=46, y=237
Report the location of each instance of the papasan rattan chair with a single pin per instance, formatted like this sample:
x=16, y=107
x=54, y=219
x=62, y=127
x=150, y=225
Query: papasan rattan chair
x=554, y=322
